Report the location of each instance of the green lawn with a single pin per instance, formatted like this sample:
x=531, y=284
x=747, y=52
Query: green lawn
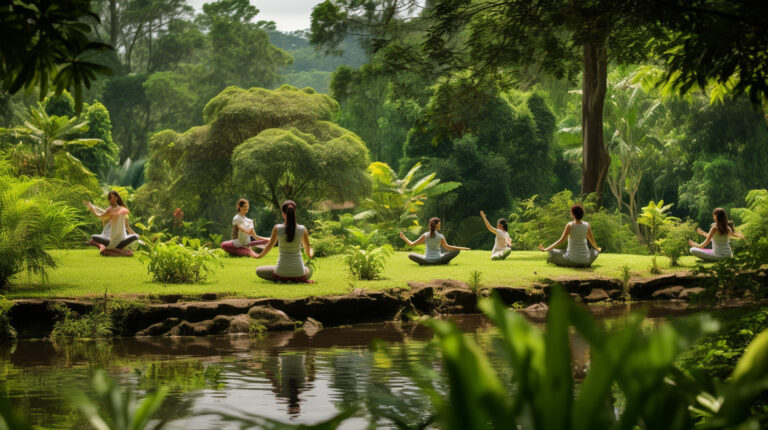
x=83, y=272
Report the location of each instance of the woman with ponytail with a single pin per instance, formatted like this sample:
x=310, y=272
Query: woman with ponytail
x=502, y=246
x=720, y=235
x=290, y=236
x=434, y=242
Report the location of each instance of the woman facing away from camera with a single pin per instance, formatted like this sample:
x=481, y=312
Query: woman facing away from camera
x=290, y=237
x=720, y=234
x=577, y=233
x=435, y=244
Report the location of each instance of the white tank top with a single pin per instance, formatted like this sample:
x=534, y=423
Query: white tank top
x=117, y=230
x=432, y=245
x=289, y=261
x=577, y=250
x=721, y=245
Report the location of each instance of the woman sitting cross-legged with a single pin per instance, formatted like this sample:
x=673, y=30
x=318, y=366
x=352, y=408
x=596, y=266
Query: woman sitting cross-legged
x=577, y=254
x=502, y=246
x=117, y=233
x=290, y=237
x=434, y=241
x=720, y=235
x=243, y=234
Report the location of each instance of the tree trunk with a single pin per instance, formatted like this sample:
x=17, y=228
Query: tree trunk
x=596, y=159
x=114, y=24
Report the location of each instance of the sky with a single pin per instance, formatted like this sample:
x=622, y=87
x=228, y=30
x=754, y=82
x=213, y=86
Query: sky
x=289, y=15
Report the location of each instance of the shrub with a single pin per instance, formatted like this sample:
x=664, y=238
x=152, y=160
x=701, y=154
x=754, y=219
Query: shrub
x=675, y=244
x=70, y=325
x=30, y=223
x=7, y=332
x=367, y=263
x=475, y=280
x=613, y=233
x=179, y=263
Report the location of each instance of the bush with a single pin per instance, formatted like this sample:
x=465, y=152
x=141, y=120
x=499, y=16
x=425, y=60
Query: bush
x=7, y=332
x=367, y=263
x=70, y=325
x=180, y=263
x=613, y=233
x=327, y=238
x=675, y=244
x=30, y=223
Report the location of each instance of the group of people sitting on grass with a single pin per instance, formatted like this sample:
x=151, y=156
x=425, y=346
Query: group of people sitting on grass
x=292, y=237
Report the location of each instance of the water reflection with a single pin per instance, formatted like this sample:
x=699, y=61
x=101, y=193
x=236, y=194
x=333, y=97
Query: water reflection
x=288, y=376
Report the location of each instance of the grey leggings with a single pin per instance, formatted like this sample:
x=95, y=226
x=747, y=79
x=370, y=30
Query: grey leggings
x=268, y=273
x=707, y=254
x=105, y=240
x=444, y=258
x=558, y=258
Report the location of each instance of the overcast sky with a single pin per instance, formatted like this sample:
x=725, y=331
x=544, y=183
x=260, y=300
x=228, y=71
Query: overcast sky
x=289, y=15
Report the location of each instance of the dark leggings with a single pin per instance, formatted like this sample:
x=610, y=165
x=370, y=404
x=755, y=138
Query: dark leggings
x=444, y=258
x=268, y=273
x=105, y=240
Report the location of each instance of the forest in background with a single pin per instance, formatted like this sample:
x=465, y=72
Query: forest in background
x=171, y=131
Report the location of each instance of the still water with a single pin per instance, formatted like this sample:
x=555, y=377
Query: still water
x=287, y=376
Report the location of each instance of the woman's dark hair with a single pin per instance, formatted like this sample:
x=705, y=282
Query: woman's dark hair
x=721, y=220
x=289, y=209
x=578, y=211
x=117, y=197
x=240, y=203
x=433, y=222
x=503, y=223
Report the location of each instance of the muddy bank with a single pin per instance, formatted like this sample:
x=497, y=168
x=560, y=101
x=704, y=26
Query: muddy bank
x=35, y=318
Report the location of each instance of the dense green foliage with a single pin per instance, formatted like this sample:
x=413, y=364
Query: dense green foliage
x=31, y=223
x=70, y=325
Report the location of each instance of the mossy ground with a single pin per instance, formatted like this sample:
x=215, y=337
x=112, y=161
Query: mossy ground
x=83, y=273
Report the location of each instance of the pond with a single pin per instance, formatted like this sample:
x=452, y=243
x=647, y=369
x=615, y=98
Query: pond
x=287, y=376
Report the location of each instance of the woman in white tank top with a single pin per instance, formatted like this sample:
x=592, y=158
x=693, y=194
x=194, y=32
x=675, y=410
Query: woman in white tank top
x=502, y=245
x=290, y=238
x=720, y=235
x=578, y=253
x=117, y=232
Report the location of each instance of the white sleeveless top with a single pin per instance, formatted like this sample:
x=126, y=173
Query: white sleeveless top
x=577, y=250
x=501, y=240
x=289, y=261
x=432, y=244
x=117, y=230
x=721, y=245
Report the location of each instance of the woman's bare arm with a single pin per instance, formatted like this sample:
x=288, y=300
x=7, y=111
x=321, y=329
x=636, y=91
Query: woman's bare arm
x=307, y=246
x=487, y=224
x=706, y=241
x=452, y=248
x=418, y=241
x=270, y=244
x=591, y=239
x=562, y=239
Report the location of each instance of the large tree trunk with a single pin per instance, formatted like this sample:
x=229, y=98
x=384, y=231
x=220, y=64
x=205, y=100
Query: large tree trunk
x=596, y=159
x=114, y=24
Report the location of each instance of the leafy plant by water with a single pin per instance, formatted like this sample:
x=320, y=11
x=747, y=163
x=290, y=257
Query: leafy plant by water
x=475, y=280
x=70, y=325
x=367, y=263
x=7, y=332
x=187, y=262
